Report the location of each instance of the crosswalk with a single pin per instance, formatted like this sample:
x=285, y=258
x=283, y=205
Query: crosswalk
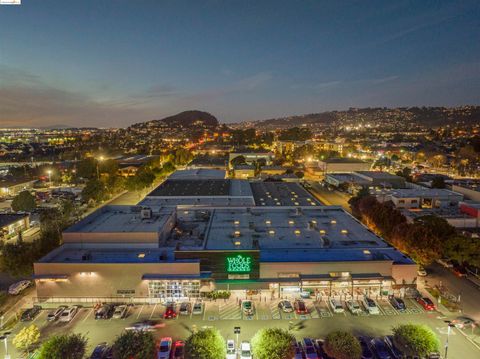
x=230, y=310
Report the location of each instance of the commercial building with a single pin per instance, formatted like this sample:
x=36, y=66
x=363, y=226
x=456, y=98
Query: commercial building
x=370, y=179
x=182, y=252
x=11, y=224
x=469, y=188
x=343, y=165
x=281, y=194
x=420, y=198
x=198, y=174
x=252, y=157
x=200, y=192
x=10, y=188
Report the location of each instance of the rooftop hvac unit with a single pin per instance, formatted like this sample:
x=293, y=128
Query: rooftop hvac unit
x=146, y=213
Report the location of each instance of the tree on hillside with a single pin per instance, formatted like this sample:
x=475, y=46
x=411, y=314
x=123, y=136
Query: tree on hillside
x=273, y=343
x=415, y=340
x=87, y=168
x=26, y=338
x=24, y=201
x=342, y=345
x=205, y=344
x=67, y=346
x=134, y=344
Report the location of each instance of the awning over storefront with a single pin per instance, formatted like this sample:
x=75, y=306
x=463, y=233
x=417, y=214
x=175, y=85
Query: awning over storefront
x=50, y=276
x=162, y=276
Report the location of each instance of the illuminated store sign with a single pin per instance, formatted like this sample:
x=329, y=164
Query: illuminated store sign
x=239, y=263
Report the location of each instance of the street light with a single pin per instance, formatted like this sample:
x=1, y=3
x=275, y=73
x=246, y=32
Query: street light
x=450, y=326
x=100, y=159
x=4, y=337
x=49, y=172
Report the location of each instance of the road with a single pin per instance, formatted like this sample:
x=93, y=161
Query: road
x=329, y=198
x=225, y=316
x=468, y=291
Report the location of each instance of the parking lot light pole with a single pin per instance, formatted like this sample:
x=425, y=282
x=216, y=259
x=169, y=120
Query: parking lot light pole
x=450, y=326
x=4, y=337
x=236, y=330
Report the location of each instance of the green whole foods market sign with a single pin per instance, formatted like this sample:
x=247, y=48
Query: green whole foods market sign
x=239, y=263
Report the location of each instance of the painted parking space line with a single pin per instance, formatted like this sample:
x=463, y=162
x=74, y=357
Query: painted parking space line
x=153, y=311
x=88, y=314
x=140, y=311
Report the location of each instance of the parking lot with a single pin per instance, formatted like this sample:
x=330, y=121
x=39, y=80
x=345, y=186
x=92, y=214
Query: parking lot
x=225, y=314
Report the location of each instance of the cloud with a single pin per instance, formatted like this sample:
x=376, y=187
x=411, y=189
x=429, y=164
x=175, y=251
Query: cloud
x=384, y=79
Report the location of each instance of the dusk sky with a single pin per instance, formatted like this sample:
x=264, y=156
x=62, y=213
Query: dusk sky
x=113, y=63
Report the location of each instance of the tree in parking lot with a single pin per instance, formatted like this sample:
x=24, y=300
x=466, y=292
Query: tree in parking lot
x=342, y=345
x=415, y=339
x=205, y=344
x=26, y=337
x=273, y=343
x=68, y=346
x=134, y=344
x=24, y=201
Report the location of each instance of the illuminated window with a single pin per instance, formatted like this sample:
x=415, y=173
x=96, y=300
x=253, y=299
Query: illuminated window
x=296, y=203
x=185, y=212
x=314, y=221
x=366, y=251
x=237, y=222
x=236, y=233
x=333, y=221
x=344, y=231
x=141, y=255
x=297, y=232
x=291, y=222
x=271, y=232
x=268, y=222
x=322, y=231
x=237, y=243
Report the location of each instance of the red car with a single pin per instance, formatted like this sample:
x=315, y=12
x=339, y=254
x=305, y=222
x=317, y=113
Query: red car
x=300, y=307
x=170, y=312
x=426, y=303
x=178, y=350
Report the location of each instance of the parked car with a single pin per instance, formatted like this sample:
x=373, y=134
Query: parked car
x=55, y=314
x=69, y=313
x=380, y=349
x=100, y=351
x=365, y=345
x=197, y=308
x=248, y=308
x=300, y=307
x=185, y=308
x=305, y=294
x=178, y=351
x=463, y=322
x=30, y=313
x=170, y=312
x=19, y=287
x=299, y=354
x=120, y=311
x=146, y=325
x=336, y=305
x=396, y=353
x=105, y=311
x=245, y=350
x=426, y=303
x=309, y=349
x=164, y=348
x=459, y=271
x=285, y=306
x=231, y=351
x=353, y=306
x=397, y=303
x=370, y=306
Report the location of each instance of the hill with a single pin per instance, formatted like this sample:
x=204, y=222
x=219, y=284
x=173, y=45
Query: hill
x=185, y=119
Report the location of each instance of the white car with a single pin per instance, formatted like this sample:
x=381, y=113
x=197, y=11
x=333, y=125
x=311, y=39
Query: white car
x=231, y=351
x=245, y=351
x=336, y=305
x=197, y=308
x=353, y=306
x=55, y=314
x=19, y=287
x=120, y=312
x=370, y=306
x=248, y=307
x=69, y=313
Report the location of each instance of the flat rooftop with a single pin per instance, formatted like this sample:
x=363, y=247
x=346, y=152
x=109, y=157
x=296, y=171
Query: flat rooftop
x=76, y=253
x=199, y=173
x=378, y=175
x=117, y=218
x=202, y=188
x=7, y=219
x=348, y=177
x=281, y=194
x=343, y=160
x=423, y=192
x=287, y=228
